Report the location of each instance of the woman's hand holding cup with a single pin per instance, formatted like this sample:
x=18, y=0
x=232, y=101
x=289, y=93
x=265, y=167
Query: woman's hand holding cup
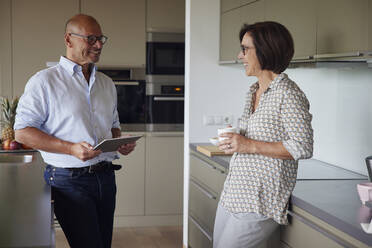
x=224, y=138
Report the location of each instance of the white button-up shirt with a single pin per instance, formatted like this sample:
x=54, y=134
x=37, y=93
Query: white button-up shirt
x=60, y=102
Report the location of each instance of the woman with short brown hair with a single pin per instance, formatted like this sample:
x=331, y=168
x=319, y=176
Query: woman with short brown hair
x=275, y=132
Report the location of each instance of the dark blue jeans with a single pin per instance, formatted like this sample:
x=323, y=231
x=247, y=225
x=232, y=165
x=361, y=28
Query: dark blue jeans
x=84, y=205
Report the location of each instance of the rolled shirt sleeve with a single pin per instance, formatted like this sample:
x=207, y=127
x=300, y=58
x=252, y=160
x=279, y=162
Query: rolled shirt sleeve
x=296, y=120
x=32, y=108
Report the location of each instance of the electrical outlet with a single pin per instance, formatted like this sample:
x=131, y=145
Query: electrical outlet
x=208, y=120
x=228, y=120
x=218, y=120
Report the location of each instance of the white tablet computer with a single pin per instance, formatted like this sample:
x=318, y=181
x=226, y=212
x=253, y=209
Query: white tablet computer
x=111, y=145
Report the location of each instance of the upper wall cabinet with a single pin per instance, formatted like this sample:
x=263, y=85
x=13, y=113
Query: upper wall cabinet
x=169, y=21
x=302, y=24
x=342, y=27
x=38, y=30
x=231, y=22
x=123, y=22
x=5, y=49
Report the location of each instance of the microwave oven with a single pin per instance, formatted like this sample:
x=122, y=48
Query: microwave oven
x=165, y=53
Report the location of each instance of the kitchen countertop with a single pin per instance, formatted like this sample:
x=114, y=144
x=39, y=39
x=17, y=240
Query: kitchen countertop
x=327, y=192
x=25, y=202
x=310, y=169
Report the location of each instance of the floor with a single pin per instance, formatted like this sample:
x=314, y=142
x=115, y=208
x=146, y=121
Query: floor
x=138, y=237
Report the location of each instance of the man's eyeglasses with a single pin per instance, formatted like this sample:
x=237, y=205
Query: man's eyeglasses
x=245, y=49
x=92, y=39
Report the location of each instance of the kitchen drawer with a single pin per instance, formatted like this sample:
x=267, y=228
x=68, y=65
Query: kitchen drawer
x=300, y=235
x=203, y=203
x=306, y=230
x=198, y=236
x=207, y=173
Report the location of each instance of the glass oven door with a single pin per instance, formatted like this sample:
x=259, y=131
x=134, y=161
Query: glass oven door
x=165, y=109
x=131, y=101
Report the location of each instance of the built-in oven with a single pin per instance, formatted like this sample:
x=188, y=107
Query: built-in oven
x=131, y=102
x=164, y=103
x=165, y=53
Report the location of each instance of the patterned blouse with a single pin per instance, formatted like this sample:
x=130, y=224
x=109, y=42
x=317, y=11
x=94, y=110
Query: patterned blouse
x=262, y=184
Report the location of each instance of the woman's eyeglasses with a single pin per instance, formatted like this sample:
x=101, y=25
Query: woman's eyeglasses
x=245, y=49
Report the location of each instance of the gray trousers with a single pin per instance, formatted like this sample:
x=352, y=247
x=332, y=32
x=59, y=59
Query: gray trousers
x=242, y=230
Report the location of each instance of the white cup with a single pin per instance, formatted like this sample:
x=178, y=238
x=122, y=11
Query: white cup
x=225, y=130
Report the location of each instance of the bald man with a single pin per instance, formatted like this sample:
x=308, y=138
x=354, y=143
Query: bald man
x=64, y=112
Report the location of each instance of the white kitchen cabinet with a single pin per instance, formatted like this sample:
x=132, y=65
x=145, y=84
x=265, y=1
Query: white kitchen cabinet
x=342, y=26
x=157, y=19
x=123, y=22
x=164, y=173
x=5, y=49
x=37, y=36
x=303, y=30
x=231, y=22
x=130, y=181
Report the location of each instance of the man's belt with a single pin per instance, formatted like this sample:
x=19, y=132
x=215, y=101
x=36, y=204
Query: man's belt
x=99, y=167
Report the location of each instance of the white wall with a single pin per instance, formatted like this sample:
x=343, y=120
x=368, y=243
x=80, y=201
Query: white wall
x=340, y=98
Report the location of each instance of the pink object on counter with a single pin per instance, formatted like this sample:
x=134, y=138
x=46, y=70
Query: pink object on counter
x=365, y=192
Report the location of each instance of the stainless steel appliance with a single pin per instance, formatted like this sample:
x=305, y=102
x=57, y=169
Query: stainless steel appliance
x=164, y=103
x=165, y=81
x=131, y=88
x=165, y=53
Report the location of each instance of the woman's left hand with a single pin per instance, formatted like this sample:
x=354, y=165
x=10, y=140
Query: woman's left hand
x=236, y=143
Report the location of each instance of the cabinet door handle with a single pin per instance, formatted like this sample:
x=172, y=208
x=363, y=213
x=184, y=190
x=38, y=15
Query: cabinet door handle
x=302, y=58
x=126, y=83
x=227, y=62
x=338, y=55
x=202, y=189
x=319, y=229
x=201, y=228
x=169, y=98
x=208, y=165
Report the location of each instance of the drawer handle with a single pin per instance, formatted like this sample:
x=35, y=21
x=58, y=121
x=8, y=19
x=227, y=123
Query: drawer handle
x=202, y=189
x=201, y=228
x=319, y=229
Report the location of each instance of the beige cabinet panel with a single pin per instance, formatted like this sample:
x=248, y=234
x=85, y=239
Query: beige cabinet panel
x=198, y=239
x=369, y=25
x=5, y=49
x=342, y=26
x=165, y=15
x=123, y=22
x=38, y=30
x=205, y=172
x=231, y=22
x=203, y=204
x=229, y=33
x=164, y=174
x=227, y=5
x=303, y=29
x=130, y=181
x=253, y=12
x=299, y=235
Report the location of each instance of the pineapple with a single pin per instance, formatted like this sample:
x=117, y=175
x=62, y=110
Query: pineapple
x=8, y=110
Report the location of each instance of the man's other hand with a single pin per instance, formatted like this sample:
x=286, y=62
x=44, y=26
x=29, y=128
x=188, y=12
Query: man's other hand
x=127, y=148
x=83, y=151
